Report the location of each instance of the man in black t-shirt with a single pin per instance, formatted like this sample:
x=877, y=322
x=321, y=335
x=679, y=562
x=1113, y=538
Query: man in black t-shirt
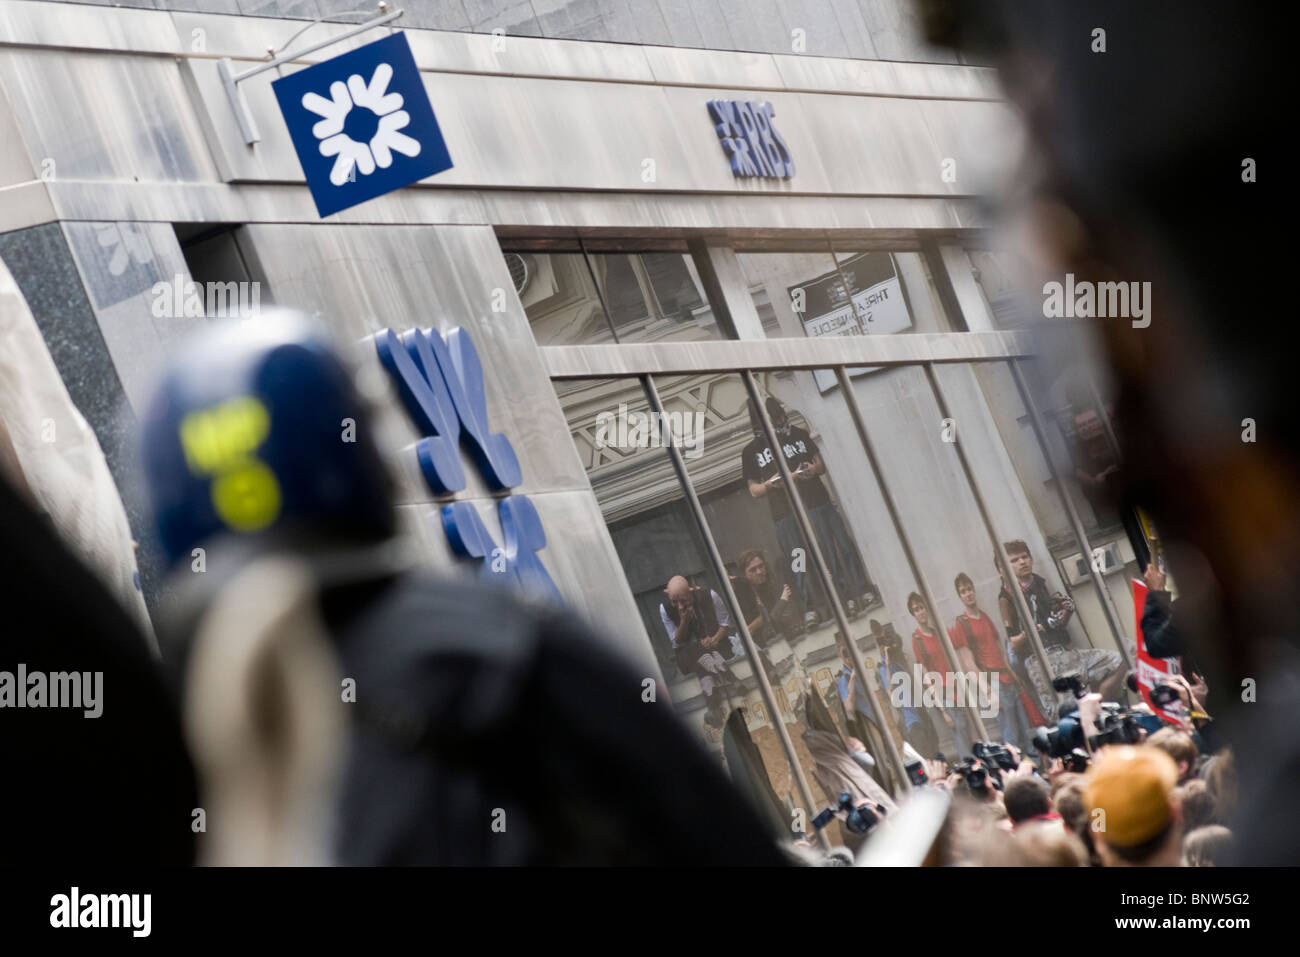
x=763, y=476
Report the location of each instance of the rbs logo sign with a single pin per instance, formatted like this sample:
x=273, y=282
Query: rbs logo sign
x=750, y=140
x=361, y=124
x=441, y=385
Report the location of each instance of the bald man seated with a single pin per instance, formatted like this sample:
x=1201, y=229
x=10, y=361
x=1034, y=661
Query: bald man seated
x=698, y=627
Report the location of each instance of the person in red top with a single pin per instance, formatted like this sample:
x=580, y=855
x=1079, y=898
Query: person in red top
x=980, y=649
x=928, y=649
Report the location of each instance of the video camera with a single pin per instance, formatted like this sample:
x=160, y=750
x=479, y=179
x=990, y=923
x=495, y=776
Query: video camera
x=1115, y=724
x=1070, y=683
x=916, y=773
x=1077, y=761
x=994, y=755
x=858, y=820
x=977, y=777
x=985, y=766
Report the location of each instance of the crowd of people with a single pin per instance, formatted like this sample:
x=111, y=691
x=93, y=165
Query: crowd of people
x=705, y=641
x=1139, y=788
x=1107, y=786
x=1159, y=803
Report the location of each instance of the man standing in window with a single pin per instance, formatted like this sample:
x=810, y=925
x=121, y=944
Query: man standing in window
x=763, y=476
x=928, y=649
x=976, y=631
x=697, y=623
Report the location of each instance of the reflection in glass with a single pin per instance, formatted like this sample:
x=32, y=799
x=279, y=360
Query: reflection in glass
x=838, y=489
x=941, y=521
x=683, y=605
x=559, y=297
x=654, y=296
x=863, y=296
x=850, y=293
x=996, y=275
x=762, y=477
x=689, y=625
x=774, y=281
x=1088, y=470
x=779, y=594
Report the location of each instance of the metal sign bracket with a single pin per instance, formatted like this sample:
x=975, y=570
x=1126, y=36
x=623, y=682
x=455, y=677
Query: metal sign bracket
x=230, y=80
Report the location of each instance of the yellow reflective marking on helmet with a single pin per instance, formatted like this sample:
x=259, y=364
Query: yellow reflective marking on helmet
x=247, y=498
x=218, y=438
x=220, y=442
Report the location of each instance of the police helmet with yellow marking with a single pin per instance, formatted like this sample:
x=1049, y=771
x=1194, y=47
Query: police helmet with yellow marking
x=257, y=428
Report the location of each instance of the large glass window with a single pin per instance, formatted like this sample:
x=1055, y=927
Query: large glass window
x=825, y=290
x=1078, y=434
x=782, y=597
x=654, y=296
x=1078, y=431
x=906, y=554
x=679, y=593
x=946, y=537
x=559, y=296
x=996, y=275
x=588, y=295
x=684, y=603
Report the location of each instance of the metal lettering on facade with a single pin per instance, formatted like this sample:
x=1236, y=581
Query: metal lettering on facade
x=441, y=384
x=750, y=139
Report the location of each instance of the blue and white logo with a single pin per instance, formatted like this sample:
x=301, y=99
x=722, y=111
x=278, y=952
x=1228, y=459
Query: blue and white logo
x=361, y=124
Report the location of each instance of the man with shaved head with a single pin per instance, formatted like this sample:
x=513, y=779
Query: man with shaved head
x=697, y=624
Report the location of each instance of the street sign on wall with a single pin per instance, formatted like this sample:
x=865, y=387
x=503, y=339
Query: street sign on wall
x=861, y=297
x=362, y=124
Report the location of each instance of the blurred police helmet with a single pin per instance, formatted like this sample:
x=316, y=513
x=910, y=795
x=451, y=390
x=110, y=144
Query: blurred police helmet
x=257, y=429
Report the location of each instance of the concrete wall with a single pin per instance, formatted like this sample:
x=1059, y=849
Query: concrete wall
x=863, y=29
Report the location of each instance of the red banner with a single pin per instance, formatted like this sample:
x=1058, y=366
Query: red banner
x=1150, y=671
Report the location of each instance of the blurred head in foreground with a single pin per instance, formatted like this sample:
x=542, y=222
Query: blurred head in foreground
x=346, y=706
x=1149, y=147
x=1134, y=815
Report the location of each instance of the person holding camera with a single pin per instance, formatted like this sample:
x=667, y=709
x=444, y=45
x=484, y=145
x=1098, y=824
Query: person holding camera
x=837, y=773
x=763, y=477
x=918, y=731
x=1051, y=612
x=697, y=623
x=765, y=602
